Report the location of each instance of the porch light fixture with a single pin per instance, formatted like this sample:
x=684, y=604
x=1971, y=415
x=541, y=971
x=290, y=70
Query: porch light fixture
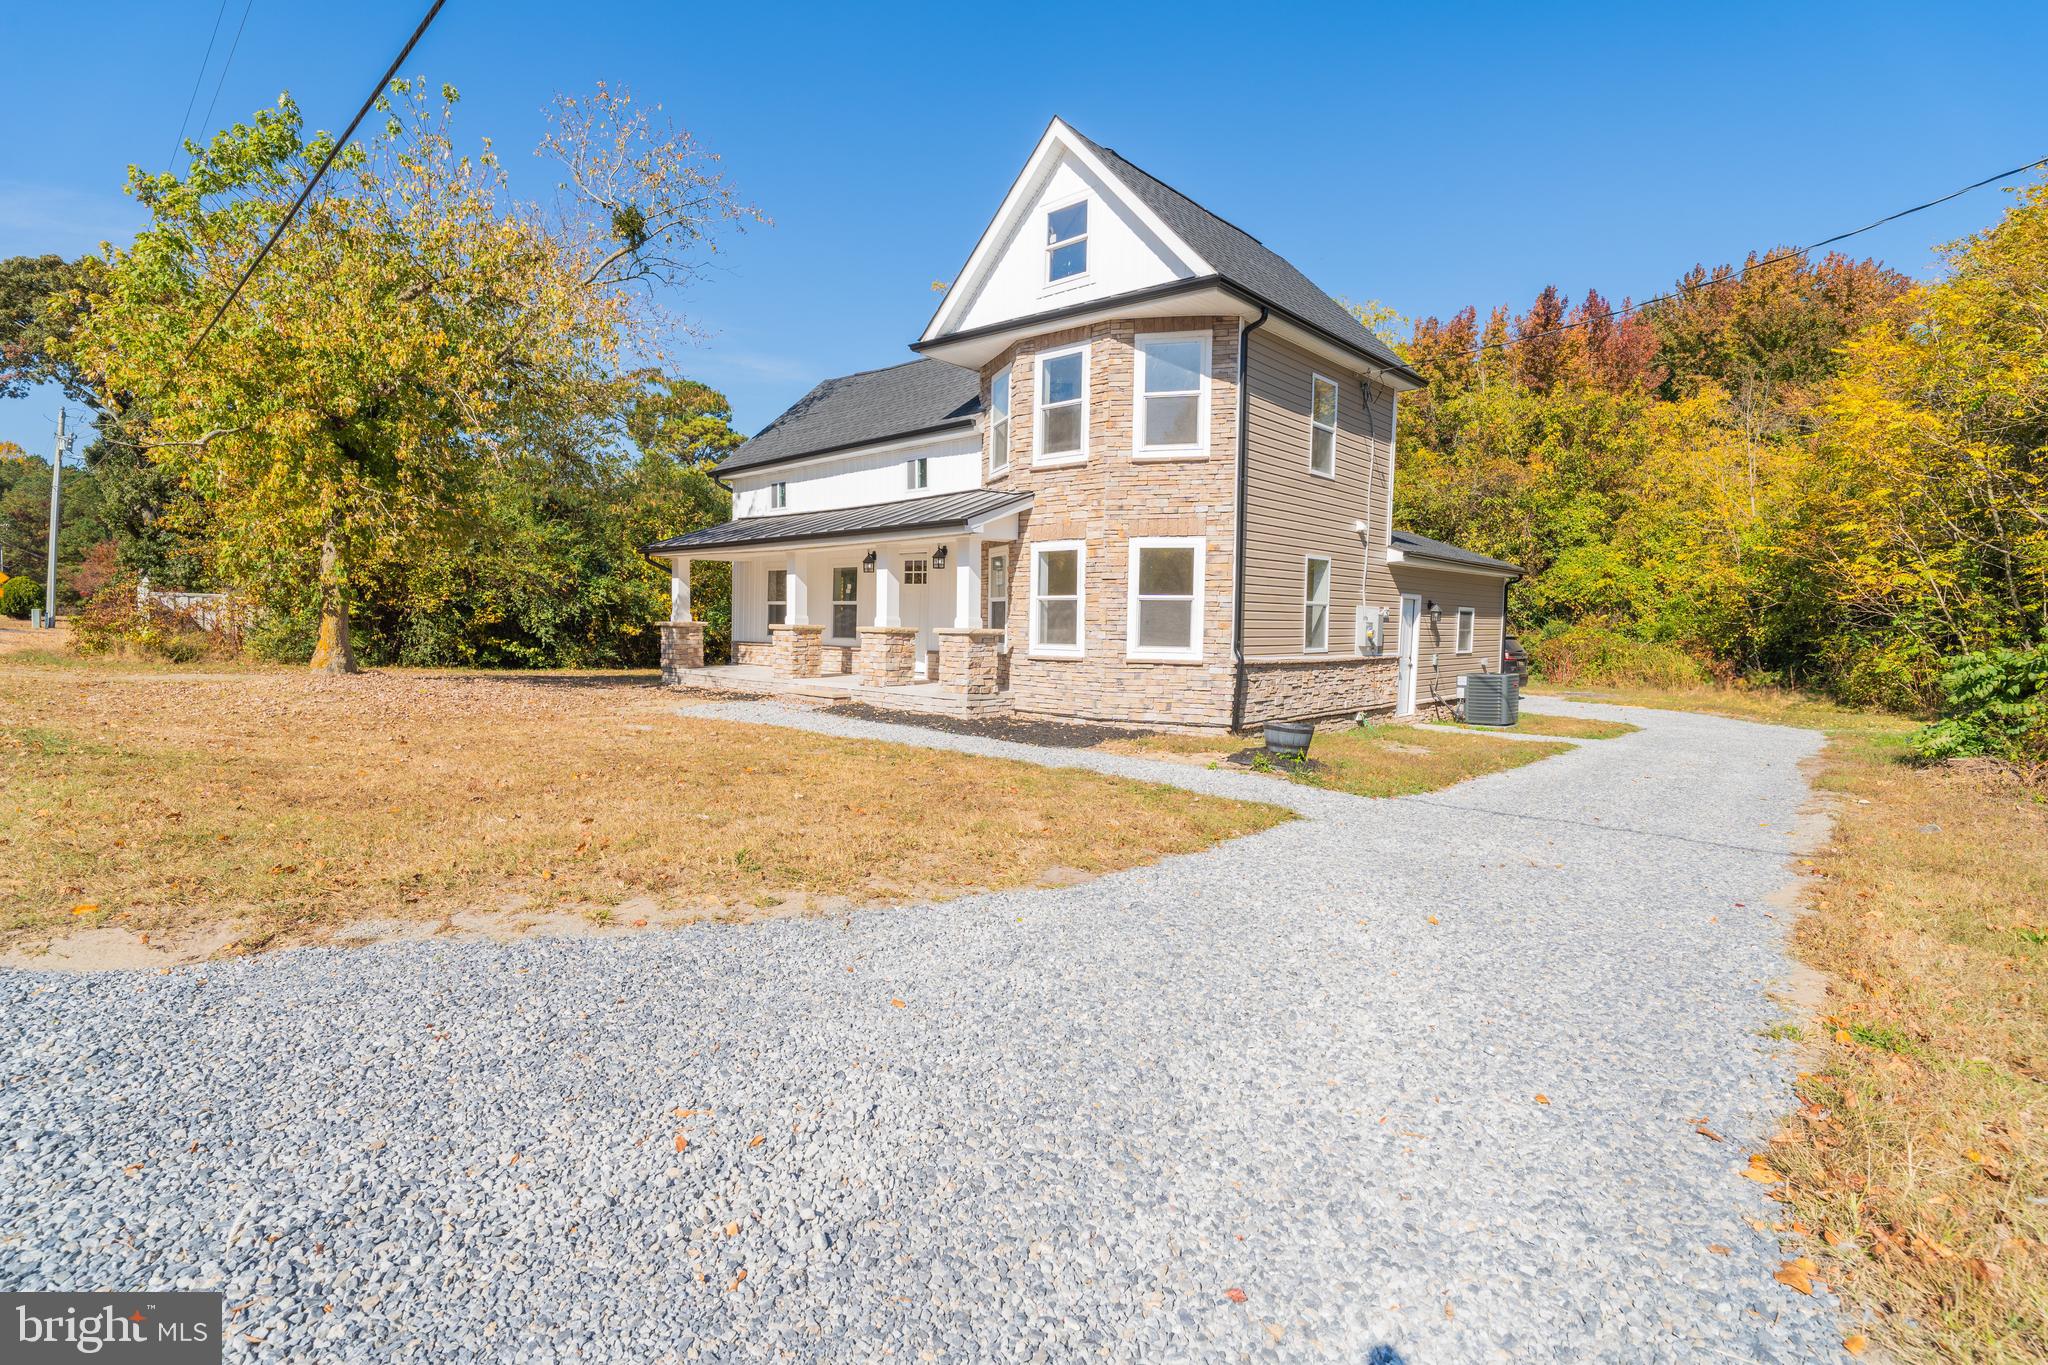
x=868, y=565
x=1429, y=605
x=939, y=558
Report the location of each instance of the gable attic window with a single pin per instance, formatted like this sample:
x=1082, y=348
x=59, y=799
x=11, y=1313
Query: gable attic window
x=999, y=421
x=1066, y=242
x=1062, y=398
x=1322, y=427
x=778, y=495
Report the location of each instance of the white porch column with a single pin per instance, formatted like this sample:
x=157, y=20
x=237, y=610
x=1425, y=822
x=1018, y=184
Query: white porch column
x=967, y=585
x=888, y=588
x=679, y=588
x=799, y=613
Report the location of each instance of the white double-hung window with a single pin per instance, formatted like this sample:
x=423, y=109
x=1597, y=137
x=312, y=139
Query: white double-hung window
x=1468, y=617
x=1058, y=601
x=845, y=603
x=1322, y=427
x=1066, y=242
x=1173, y=386
x=999, y=421
x=999, y=592
x=1061, y=423
x=778, y=495
x=778, y=597
x=1315, y=593
x=920, y=471
x=1165, y=620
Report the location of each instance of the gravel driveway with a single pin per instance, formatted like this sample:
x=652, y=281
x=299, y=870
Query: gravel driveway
x=1023, y=1126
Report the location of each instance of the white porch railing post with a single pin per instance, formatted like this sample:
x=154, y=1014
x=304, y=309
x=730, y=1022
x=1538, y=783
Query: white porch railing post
x=967, y=585
x=799, y=613
x=679, y=588
x=888, y=588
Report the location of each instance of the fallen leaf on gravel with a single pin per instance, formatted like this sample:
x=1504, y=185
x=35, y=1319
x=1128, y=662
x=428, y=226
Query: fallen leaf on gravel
x=1434, y=920
x=1798, y=1274
x=1542, y=1099
x=682, y=1143
x=1448, y=1314
x=736, y=1280
x=1856, y=1345
x=732, y=1229
x=1761, y=1171
x=759, y=1138
x=1717, y=1248
x=1234, y=1295
x=897, y=1003
x=1706, y=1132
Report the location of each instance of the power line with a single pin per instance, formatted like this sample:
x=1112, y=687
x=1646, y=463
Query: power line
x=198, y=79
x=1793, y=253
x=207, y=122
x=332, y=152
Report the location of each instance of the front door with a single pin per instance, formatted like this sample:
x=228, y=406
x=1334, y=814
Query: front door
x=917, y=587
x=1411, y=644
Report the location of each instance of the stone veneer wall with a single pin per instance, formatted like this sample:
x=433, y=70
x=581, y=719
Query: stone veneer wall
x=1317, y=691
x=682, y=646
x=834, y=660
x=1104, y=502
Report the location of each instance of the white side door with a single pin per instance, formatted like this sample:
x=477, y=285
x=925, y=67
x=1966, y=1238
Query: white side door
x=917, y=600
x=1411, y=621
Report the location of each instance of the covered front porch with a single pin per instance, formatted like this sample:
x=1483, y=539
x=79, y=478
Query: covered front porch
x=902, y=605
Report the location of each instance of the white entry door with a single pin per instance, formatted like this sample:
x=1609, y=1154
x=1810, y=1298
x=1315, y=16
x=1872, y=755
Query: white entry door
x=917, y=609
x=1411, y=644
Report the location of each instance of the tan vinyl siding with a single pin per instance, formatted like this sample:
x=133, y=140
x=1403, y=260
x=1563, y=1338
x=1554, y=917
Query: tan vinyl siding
x=1291, y=513
x=1438, y=663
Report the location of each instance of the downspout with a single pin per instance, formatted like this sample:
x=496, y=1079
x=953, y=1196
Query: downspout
x=1244, y=332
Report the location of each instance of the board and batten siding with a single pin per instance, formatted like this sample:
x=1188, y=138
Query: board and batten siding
x=1291, y=513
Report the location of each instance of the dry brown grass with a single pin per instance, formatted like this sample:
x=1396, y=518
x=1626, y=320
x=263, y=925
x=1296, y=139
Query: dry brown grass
x=1917, y=1167
x=1367, y=760
x=1563, y=727
x=292, y=805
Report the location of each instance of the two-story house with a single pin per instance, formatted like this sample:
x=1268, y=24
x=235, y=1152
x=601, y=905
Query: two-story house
x=1144, y=473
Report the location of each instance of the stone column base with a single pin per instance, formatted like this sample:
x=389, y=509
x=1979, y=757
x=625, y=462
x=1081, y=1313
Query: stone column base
x=969, y=660
x=682, y=646
x=887, y=656
x=796, y=651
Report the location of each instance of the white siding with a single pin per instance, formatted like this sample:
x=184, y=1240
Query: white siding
x=862, y=478
x=1122, y=253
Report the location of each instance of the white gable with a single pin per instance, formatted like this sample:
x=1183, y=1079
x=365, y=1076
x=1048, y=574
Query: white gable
x=1128, y=247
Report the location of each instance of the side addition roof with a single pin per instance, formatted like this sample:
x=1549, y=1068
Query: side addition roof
x=1413, y=546
x=862, y=409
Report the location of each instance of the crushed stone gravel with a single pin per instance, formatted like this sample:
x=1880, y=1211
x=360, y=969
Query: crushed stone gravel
x=1275, y=1101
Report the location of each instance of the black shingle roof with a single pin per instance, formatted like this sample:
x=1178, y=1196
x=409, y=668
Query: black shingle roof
x=1244, y=260
x=943, y=512
x=1410, y=543
x=856, y=409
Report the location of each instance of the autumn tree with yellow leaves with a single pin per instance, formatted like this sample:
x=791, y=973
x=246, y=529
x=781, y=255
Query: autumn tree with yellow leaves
x=413, y=336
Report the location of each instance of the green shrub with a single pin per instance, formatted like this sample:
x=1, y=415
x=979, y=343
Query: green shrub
x=1994, y=703
x=19, y=596
x=1598, y=656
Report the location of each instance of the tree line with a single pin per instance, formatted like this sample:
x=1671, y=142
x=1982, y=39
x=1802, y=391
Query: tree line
x=1806, y=471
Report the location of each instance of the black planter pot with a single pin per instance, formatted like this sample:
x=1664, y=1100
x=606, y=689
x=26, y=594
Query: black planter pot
x=1289, y=737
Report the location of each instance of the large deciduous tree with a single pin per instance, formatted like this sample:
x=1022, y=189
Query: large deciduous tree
x=414, y=340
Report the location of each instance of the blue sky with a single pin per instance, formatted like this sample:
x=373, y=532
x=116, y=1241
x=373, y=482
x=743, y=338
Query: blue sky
x=1424, y=158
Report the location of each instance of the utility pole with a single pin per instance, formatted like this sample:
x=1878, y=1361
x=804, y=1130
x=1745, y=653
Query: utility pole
x=56, y=501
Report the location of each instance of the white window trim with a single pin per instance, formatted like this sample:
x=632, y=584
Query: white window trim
x=1079, y=648
x=778, y=495
x=1329, y=572
x=917, y=472
x=773, y=601
x=1336, y=421
x=991, y=597
x=1468, y=629
x=1047, y=284
x=1039, y=458
x=1006, y=375
x=1200, y=448
x=1132, y=650
x=832, y=608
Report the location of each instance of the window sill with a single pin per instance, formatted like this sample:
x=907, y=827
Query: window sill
x=1002, y=473
x=1065, y=284
x=1057, y=461
x=1168, y=456
x=1319, y=474
x=1182, y=659
x=1055, y=656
